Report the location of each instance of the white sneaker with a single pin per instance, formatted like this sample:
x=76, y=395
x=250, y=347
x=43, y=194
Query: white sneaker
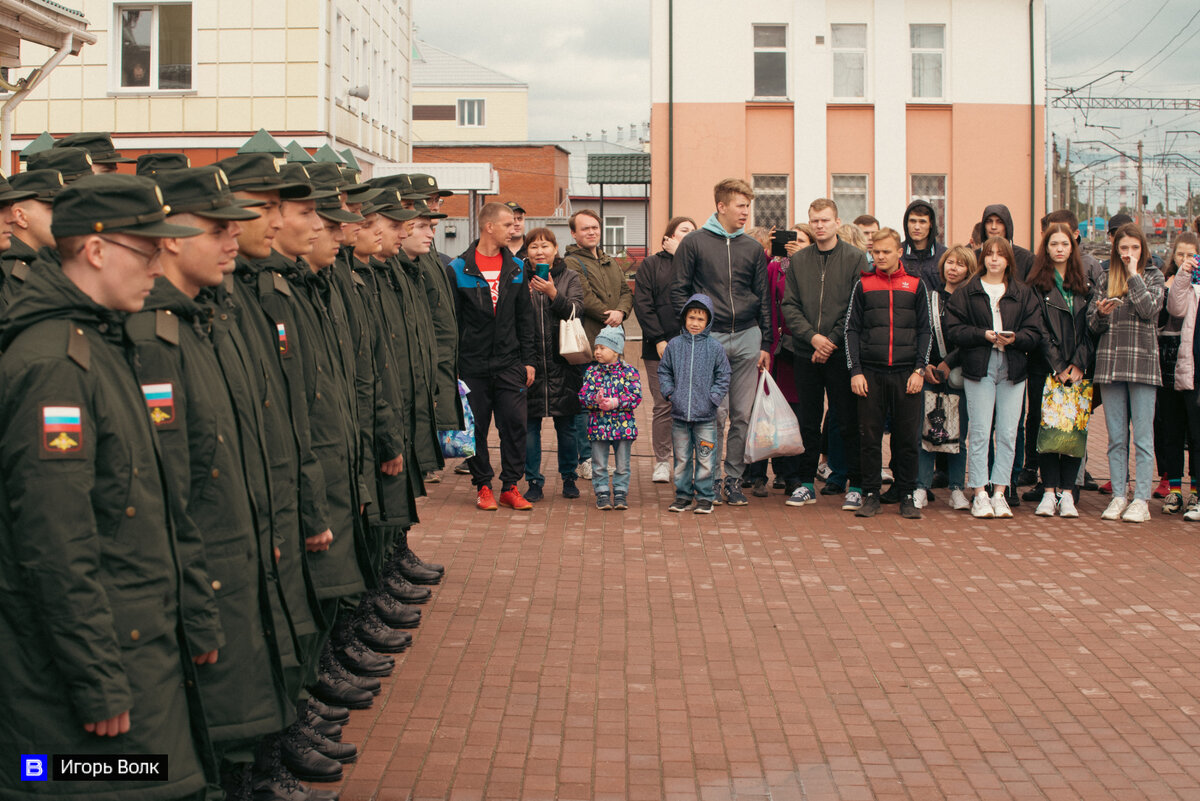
x=1115, y=507
x=1000, y=506
x=1193, y=509
x=1066, y=506
x=920, y=498
x=1136, y=512
x=958, y=500
x=982, y=507
x=584, y=470
x=662, y=473
x=1048, y=506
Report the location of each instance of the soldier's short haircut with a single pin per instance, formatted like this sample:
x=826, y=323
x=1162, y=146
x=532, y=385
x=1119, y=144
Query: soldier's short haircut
x=822, y=203
x=724, y=191
x=491, y=212
x=585, y=213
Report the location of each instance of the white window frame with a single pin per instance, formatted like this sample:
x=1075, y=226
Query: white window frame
x=834, y=51
x=939, y=203
x=480, y=114
x=114, y=71
x=613, y=225
x=915, y=51
x=843, y=208
x=770, y=49
x=761, y=191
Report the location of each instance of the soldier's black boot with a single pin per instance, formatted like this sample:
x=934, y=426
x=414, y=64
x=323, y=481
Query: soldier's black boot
x=301, y=757
x=329, y=664
x=394, y=613
x=337, y=751
x=332, y=730
x=411, y=566
x=401, y=588
x=334, y=686
x=335, y=714
x=358, y=659
x=377, y=635
x=271, y=781
x=235, y=782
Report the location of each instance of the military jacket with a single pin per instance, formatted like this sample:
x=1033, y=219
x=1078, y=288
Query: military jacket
x=449, y=414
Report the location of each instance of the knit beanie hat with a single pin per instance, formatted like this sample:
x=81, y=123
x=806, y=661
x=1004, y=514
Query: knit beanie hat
x=613, y=338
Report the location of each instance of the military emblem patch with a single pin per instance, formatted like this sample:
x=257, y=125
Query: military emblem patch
x=160, y=400
x=281, y=331
x=62, y=432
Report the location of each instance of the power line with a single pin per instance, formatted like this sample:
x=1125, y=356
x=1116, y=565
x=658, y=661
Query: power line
x=1128, y=41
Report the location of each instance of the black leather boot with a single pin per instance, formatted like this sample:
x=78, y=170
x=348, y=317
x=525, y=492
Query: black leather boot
x=326, y=727
x=235, y=782
x=394, y=613
x=336, y=714
x=378, y=636
x=334, y=667
x=271, y=781
x=337, y=751
x=335, y=687
x=361, y=661
x=411, y=567
x=434, y=566
x=301, y=757
x=401, y=588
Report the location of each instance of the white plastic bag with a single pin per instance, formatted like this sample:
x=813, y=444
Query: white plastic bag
x=774, y=430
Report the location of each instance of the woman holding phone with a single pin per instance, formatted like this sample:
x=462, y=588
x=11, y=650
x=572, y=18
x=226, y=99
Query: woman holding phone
x=556, y=293
x=994, y=320
x=1064, y=292
x=1124, y=319
x=1177, y=410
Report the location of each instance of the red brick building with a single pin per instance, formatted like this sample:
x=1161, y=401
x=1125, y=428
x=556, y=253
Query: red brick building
x=535, y=175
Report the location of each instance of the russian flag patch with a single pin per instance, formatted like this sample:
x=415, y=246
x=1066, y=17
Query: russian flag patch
x=62, y=432
x=160, y=400
x=281, y=332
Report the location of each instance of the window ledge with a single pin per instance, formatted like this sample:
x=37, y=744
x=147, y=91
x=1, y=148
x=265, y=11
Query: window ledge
x=153, y=93
x=925, y=102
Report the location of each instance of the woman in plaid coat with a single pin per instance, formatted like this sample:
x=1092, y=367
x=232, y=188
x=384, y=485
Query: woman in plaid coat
x=1124, y=318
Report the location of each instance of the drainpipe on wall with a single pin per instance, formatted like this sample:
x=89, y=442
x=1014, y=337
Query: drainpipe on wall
x=32, y=82
x=670, y=111
x=1033, y=182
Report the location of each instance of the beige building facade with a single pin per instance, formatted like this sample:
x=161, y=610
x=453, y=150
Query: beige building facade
x=457, y=100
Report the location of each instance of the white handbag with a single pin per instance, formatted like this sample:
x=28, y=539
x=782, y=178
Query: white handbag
x=572, y=340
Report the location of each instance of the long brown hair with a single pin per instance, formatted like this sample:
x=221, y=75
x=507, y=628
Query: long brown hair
x=1041, y=276
x=998, y=243
x=1118, y=282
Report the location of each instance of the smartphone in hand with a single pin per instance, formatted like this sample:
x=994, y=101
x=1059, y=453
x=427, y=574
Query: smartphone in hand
x=778, y=241
x=542, y=271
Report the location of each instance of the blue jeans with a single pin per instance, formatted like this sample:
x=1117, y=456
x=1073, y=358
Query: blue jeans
x=568, y=449
x=956, y=463
x=695, y=458
x=620, y=478
x=1125, y=402
x=994, y=398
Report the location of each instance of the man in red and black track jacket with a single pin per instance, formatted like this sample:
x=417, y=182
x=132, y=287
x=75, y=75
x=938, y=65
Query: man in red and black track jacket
x=887, y=348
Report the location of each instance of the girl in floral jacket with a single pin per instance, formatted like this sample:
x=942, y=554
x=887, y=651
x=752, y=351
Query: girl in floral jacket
x=611, y=391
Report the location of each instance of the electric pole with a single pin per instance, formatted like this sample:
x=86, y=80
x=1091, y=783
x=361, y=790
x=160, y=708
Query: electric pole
x=1139, y=188
x=1067, y=178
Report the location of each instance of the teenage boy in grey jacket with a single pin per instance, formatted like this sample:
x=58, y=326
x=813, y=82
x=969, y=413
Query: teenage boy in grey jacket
x=693, y=375
x=718, y=261
x=815, y=298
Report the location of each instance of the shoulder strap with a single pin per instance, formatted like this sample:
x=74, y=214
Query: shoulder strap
x=935, y=317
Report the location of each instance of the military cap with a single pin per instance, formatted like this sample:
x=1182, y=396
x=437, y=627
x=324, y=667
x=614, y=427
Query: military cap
x=127, y=204
x=73, y=162
x=42, y=184
x=388, y=204
x=331, y=209
x=203, y=191
x=515, y=207
x=423, y=210
x=150, y=163
x=8, y=195
x=325, y=175
x=423, y=182
x=98, y=145
x=356, y=192
x=403, y=184
x=259, y=172
x=298, y=173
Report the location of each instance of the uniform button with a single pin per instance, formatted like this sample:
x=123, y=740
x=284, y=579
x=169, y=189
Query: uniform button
x=216, y=473
x=319, y=369
x=220, y=437
x=103, y=328
x=135, y=635
x=79, y=331
x=190, y=683
x=224, y=316
x=130, y=511
x=318, y=396
x=168, y=311
x=267, y=403
x=135, y=471
x=216, y=585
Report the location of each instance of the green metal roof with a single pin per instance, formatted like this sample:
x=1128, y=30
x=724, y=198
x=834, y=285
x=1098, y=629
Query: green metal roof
x=348, y=156
x=262, y=142
x=328, y=154
x=296, y=154
x=44, y=141
x=618, y=168
x=60, y=8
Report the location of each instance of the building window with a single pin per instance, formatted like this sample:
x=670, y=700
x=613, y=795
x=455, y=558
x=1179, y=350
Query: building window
x=928, y=55
x=931, y=188
x=470, y=114
x=154, y=51
x=614, y=234
x=850, y=195
x=849, y=60
x=770, y=201
x=770, y=61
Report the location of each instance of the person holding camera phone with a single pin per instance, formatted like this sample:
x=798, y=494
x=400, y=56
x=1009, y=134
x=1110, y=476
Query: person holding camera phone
x=1064, y=291
x=1177, y=409
x=956, y=266
x=1125, y=320
x=995, y=322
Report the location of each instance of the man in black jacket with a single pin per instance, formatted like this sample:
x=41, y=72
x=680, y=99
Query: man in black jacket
x=495, y=352
x=997, y=221
x=731, y=269
x=922, y=250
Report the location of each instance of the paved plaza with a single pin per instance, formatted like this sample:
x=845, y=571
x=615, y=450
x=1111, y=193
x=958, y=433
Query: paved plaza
x=787, y=654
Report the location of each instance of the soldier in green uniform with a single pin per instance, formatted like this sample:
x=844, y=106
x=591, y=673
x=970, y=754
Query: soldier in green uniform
x=99, y=146
x=72, y=162
x=15, y=255
x=105, y=606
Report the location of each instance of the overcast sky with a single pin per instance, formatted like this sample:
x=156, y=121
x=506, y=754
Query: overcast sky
x=588, y=67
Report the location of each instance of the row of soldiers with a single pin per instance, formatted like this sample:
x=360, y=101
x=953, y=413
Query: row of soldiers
x=220, y=389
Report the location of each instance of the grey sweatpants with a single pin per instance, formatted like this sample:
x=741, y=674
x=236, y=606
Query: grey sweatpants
x=742, y=349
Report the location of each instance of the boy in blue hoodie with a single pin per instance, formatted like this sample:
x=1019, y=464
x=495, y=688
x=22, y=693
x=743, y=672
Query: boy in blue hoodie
x=694, y=376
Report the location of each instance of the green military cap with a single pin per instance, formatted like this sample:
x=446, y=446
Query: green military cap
x=127, y=204
x=205, y=192
x=331, y=209
x=43, y=184
x=259, y=172
x=99, y=145
x=400, y=182
x=428, y=184
x=325, y=153
x=298, y=173
x=44, y=141
x=388, y=204
x=296, y=154
x=8, y=195
x=422, y=210
x=325, y=175
x=262, y=142
x=356, y=192
x=150, y=163
x=73, y=162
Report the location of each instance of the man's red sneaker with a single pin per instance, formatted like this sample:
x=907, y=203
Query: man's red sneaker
x=485, y=500
x=512, y=499
x=1163, y=489
x=1106, y=488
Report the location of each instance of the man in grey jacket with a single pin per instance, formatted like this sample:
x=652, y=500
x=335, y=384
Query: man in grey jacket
x=815, y=299
x=716, y=260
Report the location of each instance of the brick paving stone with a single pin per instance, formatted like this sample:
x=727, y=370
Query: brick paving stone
x=790, y=654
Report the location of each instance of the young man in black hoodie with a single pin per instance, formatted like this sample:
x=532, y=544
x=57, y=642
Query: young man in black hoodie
x=922, y=250
x=997, y=221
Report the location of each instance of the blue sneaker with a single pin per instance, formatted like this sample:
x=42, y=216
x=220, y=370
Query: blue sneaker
x=603, y=501
x=803, y=496
x=853, y=501
x=733, y=493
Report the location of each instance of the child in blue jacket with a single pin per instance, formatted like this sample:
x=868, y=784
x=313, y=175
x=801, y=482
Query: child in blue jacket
x=611, y=391
x=694, y=375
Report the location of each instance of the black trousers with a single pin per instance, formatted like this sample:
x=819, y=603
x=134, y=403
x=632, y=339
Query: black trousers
x=813, y=382
x=1176, y=429
x=886, y=395
x=1059, y=471
x=1035, y=384
x=502, y=395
